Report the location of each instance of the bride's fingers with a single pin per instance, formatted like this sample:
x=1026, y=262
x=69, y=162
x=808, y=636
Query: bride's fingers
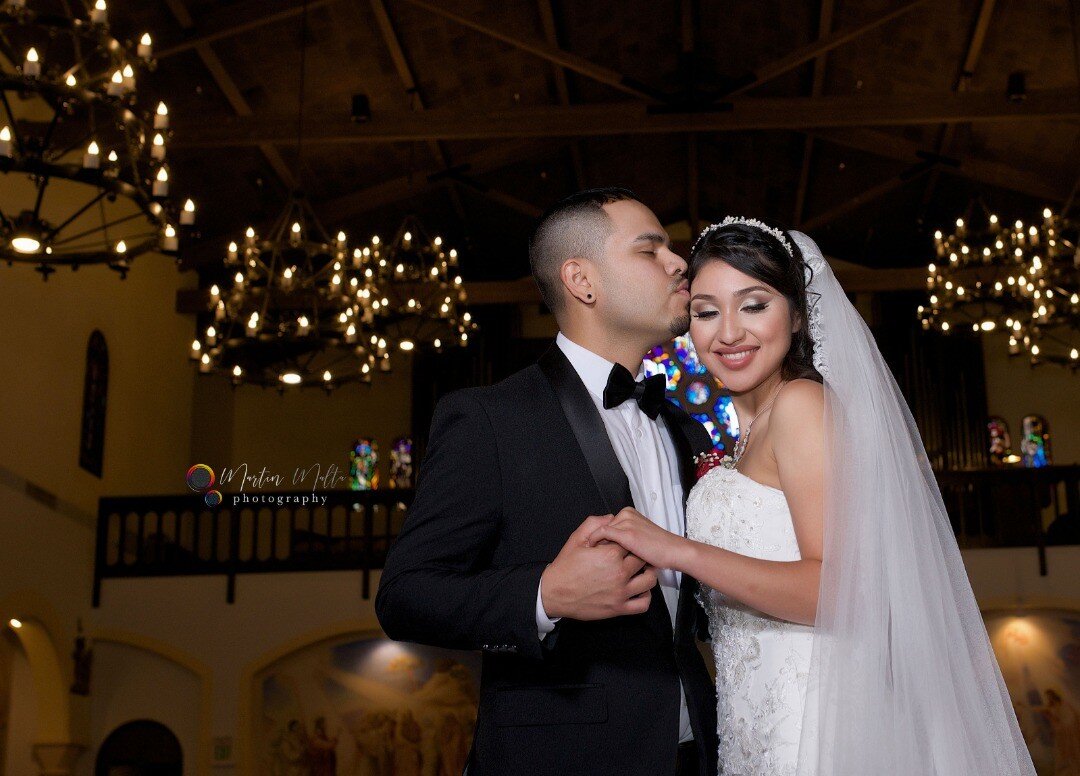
x=607, y=532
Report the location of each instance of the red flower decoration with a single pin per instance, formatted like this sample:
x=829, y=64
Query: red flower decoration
x=707, y=461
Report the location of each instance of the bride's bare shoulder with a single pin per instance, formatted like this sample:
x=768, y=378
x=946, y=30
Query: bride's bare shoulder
x=798, y=403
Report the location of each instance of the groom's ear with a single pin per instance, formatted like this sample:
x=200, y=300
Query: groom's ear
x=575, y=278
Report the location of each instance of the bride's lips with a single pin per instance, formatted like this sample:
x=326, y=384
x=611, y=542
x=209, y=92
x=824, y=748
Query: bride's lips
x=736, y=358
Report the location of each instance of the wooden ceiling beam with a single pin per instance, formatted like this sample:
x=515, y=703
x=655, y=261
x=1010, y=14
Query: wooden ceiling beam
x=852, y=203
x=890, y=146
x=408, y=80
x=547, y=20
x=545, y=51
x=397, y=189
x=967, y=70
x=231, y=92
x=524, y=291
x=791, y=113
x=822, y=45
x=693, y=174
x=222, y=24
x=816, y=89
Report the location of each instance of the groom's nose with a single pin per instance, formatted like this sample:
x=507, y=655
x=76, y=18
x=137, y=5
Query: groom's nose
x=674, y=264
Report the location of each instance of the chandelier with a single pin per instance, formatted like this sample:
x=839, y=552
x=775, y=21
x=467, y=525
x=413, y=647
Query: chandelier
x=85, y=174
x=424, y=303
x=298, y=309
x=1023, y=280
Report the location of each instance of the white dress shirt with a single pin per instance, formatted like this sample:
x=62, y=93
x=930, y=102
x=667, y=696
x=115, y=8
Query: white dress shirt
x=648, y=457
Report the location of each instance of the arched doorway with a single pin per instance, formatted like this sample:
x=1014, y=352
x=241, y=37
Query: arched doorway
x=140, y=748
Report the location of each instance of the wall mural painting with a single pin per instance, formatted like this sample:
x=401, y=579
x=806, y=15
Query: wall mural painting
x=1039, y=654
x=367, y=707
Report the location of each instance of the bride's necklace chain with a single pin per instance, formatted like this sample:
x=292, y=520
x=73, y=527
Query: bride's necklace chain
x=744, y=437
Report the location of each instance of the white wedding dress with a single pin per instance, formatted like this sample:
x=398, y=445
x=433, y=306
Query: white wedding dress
x=762, y=664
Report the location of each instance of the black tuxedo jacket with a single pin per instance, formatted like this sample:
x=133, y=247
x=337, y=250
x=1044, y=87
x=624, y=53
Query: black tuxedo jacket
x=511, y=470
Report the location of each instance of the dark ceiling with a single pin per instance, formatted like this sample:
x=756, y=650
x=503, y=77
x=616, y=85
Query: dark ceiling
x=847, y=159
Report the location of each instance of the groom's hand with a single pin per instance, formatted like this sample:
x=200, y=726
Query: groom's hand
x=595, y=583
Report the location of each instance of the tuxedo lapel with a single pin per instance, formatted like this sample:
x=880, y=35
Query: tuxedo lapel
x=588, y=428
x=690, y=438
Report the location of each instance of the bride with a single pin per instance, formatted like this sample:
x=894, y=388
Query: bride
x=846, y=637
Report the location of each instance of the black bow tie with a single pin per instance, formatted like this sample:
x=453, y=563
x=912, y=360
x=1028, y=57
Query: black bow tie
x=649, y=393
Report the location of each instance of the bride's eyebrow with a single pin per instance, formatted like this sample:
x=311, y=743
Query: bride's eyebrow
x=745, y=291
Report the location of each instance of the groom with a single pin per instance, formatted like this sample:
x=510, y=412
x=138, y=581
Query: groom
x=589, y=661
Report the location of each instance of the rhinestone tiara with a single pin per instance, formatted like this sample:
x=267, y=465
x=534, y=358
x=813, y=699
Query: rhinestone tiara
x=779, y=235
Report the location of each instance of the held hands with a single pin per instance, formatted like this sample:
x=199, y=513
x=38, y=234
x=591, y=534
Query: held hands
x=637, y=534
x=591, y=581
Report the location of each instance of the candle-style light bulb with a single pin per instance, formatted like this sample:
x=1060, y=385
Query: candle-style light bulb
x=129, y=78
x=161, y=117
x=116, y=84
x=70, y=80
x=99, y=13
x=5, y=141
x=32, y=64
x=161, y=183
x=92, y=157
x=157, y=149
x=169, y=242
x=187, y=215
x=145, y=49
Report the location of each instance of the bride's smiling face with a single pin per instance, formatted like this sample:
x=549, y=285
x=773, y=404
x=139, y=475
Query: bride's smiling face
x=741, y=327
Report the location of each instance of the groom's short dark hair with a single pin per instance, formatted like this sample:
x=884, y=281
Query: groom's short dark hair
x=574, y=226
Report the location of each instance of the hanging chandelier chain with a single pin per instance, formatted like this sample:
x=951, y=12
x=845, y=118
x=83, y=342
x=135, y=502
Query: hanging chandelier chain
x=300, y=95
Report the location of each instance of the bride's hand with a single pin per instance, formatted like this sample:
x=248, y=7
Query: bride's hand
x=642, y=537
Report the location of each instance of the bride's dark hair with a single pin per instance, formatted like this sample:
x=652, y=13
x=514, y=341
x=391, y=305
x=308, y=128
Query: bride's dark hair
x=760, y=255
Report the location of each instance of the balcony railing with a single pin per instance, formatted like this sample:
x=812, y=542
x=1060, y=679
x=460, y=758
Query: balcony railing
x=1014, y=507
x=146, y=536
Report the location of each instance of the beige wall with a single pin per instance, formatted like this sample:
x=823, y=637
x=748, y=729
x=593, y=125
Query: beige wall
x=1014, y=389
x=43, y=338
x=299, y=429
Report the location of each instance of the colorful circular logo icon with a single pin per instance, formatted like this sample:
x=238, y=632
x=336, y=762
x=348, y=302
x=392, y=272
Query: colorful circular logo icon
x=200, y=478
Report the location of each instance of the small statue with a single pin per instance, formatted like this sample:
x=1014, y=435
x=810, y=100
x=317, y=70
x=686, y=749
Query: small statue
x=363, y=464
x=1035, y=444
x=401, y=469
x=83, y=657
x=1000, y=440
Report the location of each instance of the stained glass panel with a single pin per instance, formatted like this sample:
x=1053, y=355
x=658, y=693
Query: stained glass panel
x=691, y=387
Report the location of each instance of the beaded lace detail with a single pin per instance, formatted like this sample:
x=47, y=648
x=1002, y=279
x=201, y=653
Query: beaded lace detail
x=815, y=267
x=762, y=664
